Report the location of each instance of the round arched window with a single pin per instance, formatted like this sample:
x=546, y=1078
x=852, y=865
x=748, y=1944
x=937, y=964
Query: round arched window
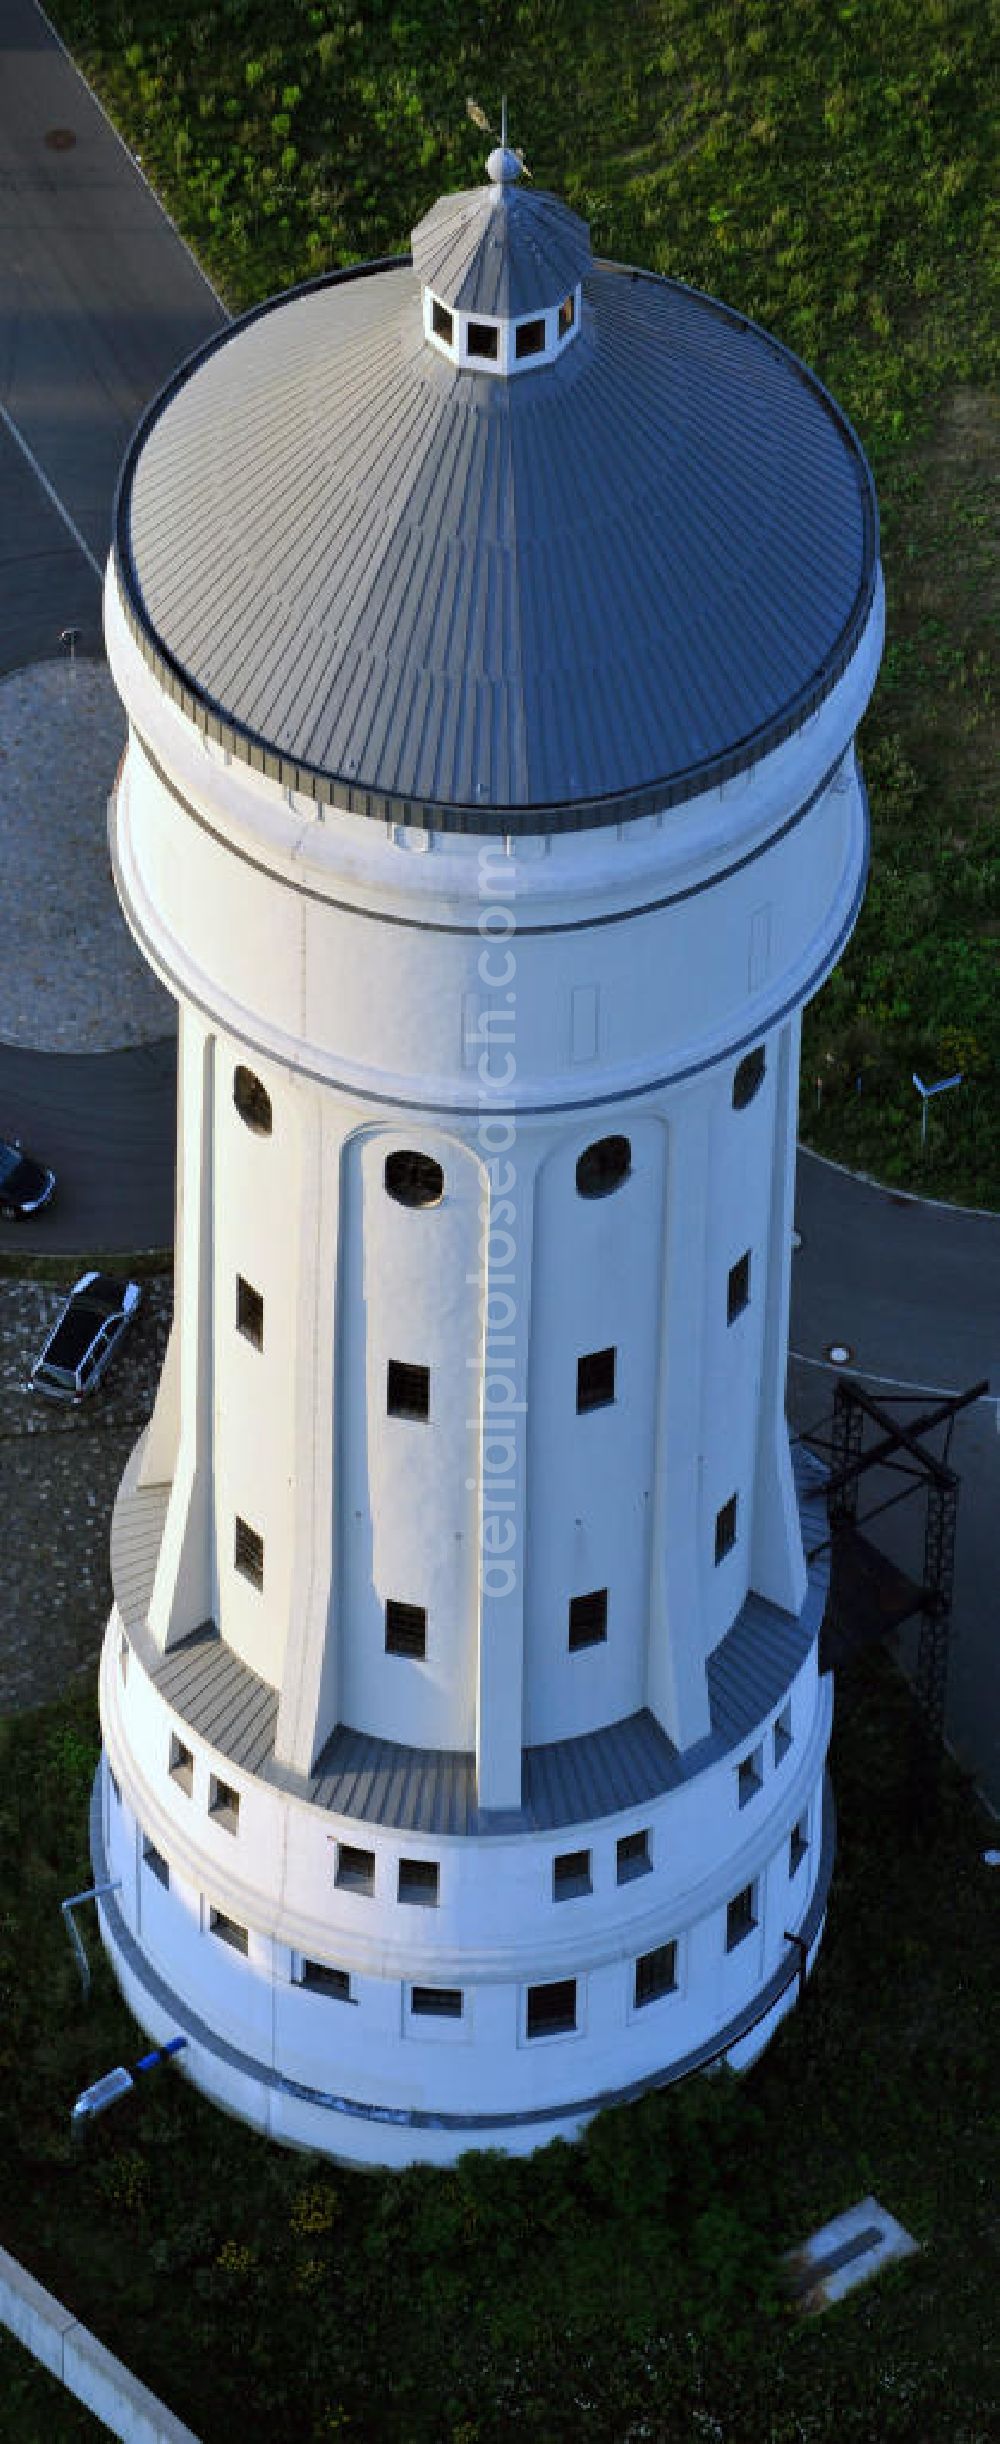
x=603, y=1166
x=413, y=1179
x=252, y=1101
x=747, y=1077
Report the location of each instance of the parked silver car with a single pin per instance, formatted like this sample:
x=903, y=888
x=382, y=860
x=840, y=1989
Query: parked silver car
x=84, y=1337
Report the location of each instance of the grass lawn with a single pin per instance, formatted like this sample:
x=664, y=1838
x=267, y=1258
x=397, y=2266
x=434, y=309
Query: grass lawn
x=625, y=2288
x=825, y=165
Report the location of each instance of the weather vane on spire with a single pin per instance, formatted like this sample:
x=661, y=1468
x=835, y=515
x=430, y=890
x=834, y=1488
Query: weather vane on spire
x=506, y=162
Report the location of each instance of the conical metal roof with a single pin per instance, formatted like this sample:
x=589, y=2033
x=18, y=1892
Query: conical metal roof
x=497, y=606
x=502, y=249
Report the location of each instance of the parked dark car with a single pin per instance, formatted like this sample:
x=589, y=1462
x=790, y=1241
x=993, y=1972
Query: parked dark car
x=25, y=1186
x=85, y=1336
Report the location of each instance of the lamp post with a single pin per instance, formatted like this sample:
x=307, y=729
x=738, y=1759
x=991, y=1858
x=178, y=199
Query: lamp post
x=925, y=1092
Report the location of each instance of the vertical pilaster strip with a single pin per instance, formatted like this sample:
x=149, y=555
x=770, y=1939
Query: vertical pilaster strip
x=503, y=1464
x=310, y=1684
x=184, y=1591
x=677, y=1688
x=777, y=1562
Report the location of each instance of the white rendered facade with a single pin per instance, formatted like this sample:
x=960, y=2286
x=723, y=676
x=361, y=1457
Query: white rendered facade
x=452, y=1876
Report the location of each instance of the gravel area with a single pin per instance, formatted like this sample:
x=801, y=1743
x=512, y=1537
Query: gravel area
x=72, y=979
x=59, y=1473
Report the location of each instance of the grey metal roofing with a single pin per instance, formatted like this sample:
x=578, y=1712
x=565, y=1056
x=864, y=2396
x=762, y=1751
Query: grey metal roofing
x=502, y=249
x=433, y=1791
x=488, y=604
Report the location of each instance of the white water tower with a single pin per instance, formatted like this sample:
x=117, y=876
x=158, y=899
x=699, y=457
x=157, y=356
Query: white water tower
x=493, y=632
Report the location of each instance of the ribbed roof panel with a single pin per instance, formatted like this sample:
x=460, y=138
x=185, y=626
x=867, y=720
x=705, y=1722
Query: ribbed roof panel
x=506, y=250
x=492, y=605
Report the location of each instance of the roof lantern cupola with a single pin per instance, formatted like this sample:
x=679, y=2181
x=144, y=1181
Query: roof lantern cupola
x=501, y=269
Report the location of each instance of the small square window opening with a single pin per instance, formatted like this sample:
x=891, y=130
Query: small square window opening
x=725, y=1529
x=355, y=1869
x=655, y=1974
x=319, y=1979
x=228, y=1931
x=750, y=1777
x=551, y=2010
x=595, y=1380
x=407, y=1390
x=571, y=1875
x=529, y=337
x=155, y=1861
x=738, y=1295
x=798, y=1845
x=405, y=1630
x=181, y=1765
x=633, y=1857
x=249, y=1312
x=782, y=1735
x=224, y=1804
x=482, y=339
x=588, y=1619
x=418, y=1881
x=248, y=1554
x=741, y=1916
x=436, y=2002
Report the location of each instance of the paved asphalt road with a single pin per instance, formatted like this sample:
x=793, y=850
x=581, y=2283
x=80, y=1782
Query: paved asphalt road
x=98, y=302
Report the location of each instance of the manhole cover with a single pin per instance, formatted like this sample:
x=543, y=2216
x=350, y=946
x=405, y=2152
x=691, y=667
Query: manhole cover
x=839, y=1354
x=60, y=139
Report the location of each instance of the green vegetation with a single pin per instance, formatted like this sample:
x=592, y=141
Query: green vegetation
x=827, y=168
x=626, y=2287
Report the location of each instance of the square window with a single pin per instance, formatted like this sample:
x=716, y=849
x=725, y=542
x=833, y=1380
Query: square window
x=355, y=1869
x=551, y=2010
x=405, y=1629
x=798, y=1845
x=595, y=1380
x=782, y=1735
x=436, y=2002
x=750, y=1777
x=482, y=339
x=336, y=1983
x=725, y=1529
x=224, y=1804
x=655, y=1974
x=588, y=1619
x=408, y=1390
x=155, y=1861
x=529, y=337
x=227, y=1931
x=633, y=1857
x=181, y=1765
x=418, y=1881
x=249, y=1312
x=741, y=1916
x=739, y=1287
x=571, y=1875
x=248, y=1554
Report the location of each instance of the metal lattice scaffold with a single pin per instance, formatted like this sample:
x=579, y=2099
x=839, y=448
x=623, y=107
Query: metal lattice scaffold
x=870, y=1596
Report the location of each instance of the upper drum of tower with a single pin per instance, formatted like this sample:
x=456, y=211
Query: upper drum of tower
x=503, y=538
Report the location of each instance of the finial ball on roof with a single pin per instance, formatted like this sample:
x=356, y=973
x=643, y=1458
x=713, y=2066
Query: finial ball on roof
x=503, y=166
